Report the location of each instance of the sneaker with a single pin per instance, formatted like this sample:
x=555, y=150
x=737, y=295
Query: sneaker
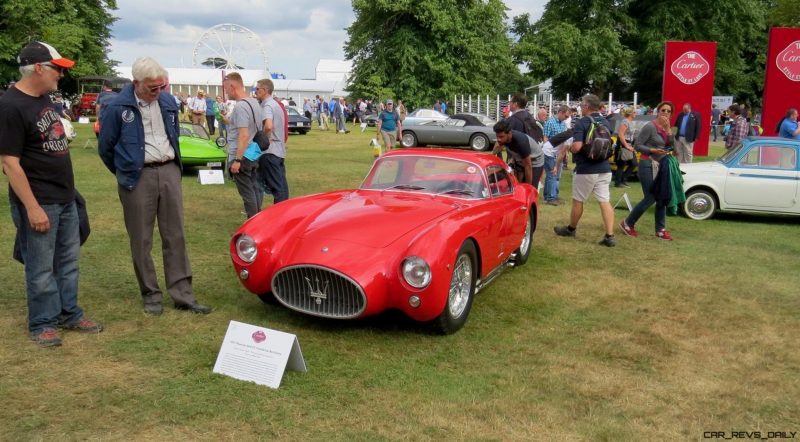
x=628, y=230
x=47, y=338
x=625, y=185
x=608, y=241
x=552, y=203
x=663, y=234
x=564, y=231
x=84, y=326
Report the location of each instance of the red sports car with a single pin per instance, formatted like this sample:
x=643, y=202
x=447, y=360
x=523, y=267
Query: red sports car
x=424, y=233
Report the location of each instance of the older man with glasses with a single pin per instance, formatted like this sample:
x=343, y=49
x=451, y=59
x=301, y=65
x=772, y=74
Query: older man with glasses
x=35, y=156
x=139, y=144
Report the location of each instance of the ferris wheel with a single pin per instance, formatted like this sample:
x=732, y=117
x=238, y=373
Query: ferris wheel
x=229, y=46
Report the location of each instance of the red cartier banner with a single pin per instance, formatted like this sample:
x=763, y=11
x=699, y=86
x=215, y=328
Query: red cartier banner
x=781, y=77
x=689, y=78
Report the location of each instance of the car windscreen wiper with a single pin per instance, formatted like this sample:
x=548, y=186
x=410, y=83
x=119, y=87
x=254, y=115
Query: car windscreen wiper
x=406, y=187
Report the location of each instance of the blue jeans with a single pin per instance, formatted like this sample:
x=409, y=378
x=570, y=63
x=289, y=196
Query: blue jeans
x=51, y=266
x=273, y=176
x=551, y=183
x=646, y=179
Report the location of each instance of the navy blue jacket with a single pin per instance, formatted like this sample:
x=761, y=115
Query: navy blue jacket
x=692, y=126
x=121, y=140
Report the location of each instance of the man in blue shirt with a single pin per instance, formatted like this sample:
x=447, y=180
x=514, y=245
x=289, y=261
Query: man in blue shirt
x=210, y=114
x=688, y=124
x=389, y=126
x=591, y=178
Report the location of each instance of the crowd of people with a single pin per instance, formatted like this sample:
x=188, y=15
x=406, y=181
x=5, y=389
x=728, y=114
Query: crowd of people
x=138, y=143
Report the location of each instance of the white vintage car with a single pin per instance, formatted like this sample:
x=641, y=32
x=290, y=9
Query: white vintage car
x=760, y=175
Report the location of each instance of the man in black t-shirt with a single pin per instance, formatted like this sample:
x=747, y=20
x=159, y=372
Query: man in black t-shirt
x=591, y=178
x=35, y=157
x=527, y=158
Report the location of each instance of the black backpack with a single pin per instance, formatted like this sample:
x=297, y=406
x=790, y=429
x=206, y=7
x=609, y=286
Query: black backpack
x=531, y=128
x=598, y=146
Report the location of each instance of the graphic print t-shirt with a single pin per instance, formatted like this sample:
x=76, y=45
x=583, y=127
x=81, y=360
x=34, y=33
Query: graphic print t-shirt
x=31, y=130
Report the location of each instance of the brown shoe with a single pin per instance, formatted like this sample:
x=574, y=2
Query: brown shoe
x=84, y=326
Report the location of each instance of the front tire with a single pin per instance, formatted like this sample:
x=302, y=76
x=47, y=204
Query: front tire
x=409, y=139
x=461, y=292
x=479, y=142
x=700, y=204
x=524, y=250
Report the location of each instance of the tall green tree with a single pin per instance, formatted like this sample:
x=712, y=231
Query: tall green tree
x=421, y=51
x=618, y=45
x=79, y=29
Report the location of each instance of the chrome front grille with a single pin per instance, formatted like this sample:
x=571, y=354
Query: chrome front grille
x=319, y=291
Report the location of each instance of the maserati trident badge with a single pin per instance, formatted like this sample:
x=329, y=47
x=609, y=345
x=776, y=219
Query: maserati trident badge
x=317, y=291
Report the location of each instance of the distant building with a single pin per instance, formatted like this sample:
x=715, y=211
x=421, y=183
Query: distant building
x=331, y=80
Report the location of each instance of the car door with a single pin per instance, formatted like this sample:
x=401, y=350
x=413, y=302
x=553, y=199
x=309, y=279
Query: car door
x=501, y=189
x=764, y=177
x=452, y=133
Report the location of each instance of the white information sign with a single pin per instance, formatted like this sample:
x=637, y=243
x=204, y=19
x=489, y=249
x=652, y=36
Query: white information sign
x=257, y=354
x=210, y=176
x=83, y=120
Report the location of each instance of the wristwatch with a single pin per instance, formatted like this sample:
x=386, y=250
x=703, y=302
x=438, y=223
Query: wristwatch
x=237, y=160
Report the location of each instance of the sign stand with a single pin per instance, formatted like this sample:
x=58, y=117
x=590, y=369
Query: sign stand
x=363, y=127
x=627, y=200
x=260, y=355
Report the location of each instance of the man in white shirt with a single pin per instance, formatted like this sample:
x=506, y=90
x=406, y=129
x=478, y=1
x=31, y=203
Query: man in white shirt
x=197, y=107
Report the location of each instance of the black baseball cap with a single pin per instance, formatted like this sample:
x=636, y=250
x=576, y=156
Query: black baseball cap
x=39, y=52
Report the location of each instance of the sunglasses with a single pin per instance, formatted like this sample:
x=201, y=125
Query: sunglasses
x=156, y=88
x=666, y=111
x=58, y=69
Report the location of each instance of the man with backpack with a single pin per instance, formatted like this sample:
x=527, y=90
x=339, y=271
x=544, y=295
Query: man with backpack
x=591, y=148
x=521, y=120
x=389, y=125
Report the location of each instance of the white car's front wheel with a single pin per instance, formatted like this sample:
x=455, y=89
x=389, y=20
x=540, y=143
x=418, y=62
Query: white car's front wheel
x=700, y=204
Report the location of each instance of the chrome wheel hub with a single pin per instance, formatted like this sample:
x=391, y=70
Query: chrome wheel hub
x=460, y=286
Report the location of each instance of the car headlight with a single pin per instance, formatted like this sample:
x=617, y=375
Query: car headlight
x=246, y=248
x=416, y=272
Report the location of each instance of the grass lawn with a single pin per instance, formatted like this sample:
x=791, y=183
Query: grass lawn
x=650, y=340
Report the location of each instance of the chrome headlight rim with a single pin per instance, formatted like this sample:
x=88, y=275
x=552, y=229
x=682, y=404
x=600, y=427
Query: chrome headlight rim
x=246, y=248
x=416, y=272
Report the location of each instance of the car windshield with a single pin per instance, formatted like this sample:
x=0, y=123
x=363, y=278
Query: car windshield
x=422, y=174
x=194, y=130
x=292, y=111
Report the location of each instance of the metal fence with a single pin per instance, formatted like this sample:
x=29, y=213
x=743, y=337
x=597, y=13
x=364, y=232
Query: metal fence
x=492, y=105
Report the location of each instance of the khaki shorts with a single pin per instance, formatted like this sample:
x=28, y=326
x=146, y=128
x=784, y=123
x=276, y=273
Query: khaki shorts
x=389, y=139
x=584, y=185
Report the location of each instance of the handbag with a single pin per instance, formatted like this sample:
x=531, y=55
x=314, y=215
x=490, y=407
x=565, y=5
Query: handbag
x=260, y=138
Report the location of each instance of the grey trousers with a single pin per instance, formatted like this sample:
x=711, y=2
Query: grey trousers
x=684, y=150
x=158, y=195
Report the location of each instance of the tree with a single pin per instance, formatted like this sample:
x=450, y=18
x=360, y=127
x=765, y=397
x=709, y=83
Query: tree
x=421, y=51
x=618, y=45
x=218, y=63
x=79, y=29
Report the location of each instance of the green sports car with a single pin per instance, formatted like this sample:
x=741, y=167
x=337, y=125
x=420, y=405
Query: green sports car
x=198, y=149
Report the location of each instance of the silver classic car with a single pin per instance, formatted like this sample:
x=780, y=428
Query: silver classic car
x=467, y=130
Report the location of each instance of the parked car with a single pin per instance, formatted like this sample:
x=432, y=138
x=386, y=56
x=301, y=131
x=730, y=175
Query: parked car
x=197, y=148
x=423, y=234
x=760, y=175
x=297, y=121
x=473, y=130
x=420, y=116
x=371, y=119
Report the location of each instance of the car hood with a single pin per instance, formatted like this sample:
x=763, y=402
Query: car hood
x=704, y=167
x=373, y=218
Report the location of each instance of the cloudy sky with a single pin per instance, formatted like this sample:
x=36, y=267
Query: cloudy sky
x=295, y=34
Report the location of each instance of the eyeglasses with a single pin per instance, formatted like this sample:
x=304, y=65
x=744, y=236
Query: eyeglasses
x=156, y=88
x=58, y=69
x=666, y=111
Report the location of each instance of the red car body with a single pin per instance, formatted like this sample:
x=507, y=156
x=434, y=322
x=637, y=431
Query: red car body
x=354, y=253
